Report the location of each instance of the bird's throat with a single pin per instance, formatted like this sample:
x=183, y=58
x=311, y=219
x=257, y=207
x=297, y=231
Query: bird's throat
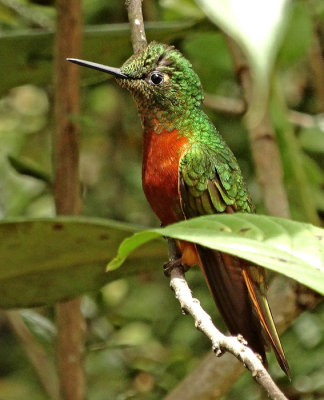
x=159, y=119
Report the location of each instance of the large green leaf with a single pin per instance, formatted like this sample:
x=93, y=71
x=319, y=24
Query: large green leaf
x=291, y=248
x=27, y=56
x=44, y=261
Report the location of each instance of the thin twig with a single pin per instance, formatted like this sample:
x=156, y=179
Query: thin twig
x=236, y=108
x=225, y=105
x=213, y=378
x=135, y=17
x=306, y=120
x=235, y=345
x=70, y=322
x=36, y=355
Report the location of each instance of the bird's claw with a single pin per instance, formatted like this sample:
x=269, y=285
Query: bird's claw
x=170, y=265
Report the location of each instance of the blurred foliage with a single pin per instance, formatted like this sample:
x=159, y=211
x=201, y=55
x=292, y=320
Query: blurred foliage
x=139, y=346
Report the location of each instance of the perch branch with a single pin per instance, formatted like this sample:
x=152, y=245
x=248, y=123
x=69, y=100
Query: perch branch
x=234, y=345
x=70, y=322
x=213, y=378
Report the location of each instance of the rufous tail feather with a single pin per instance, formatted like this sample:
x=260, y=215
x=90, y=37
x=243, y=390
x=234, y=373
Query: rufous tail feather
x=236, y=295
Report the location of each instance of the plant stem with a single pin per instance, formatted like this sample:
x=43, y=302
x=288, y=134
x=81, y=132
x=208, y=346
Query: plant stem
x=71, y=324
x=135, y=17
x=263, y=145
x=297, y=181
x=316, y=62
x=35, y=353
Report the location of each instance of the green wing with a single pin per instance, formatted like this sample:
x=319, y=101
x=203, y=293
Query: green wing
x=211, y=182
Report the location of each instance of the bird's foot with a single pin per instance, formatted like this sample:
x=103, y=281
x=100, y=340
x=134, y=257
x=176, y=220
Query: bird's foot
x=170, y=265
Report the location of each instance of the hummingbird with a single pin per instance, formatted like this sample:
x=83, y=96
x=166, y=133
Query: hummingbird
x=187, y=171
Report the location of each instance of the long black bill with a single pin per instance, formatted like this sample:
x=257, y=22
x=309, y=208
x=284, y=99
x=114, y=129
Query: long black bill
x=100, y=67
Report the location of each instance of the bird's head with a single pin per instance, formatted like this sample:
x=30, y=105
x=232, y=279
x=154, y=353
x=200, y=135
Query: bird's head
x=159, y=77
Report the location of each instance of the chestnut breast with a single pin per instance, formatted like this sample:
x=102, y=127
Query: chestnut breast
x=160, y=173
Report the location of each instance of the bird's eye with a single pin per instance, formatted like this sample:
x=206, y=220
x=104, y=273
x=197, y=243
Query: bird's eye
x=156, y=77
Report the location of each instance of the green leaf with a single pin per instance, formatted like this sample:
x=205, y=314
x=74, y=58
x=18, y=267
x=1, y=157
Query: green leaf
x=40, y=326
x=129, y=245
x=47, y=260
x=299, y=30
x=291, y=248
x=312, y=139
x=257, y=27
x=27, y=167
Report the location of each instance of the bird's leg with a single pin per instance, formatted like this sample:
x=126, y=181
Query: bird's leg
x=174, y=258
x=170, y=265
